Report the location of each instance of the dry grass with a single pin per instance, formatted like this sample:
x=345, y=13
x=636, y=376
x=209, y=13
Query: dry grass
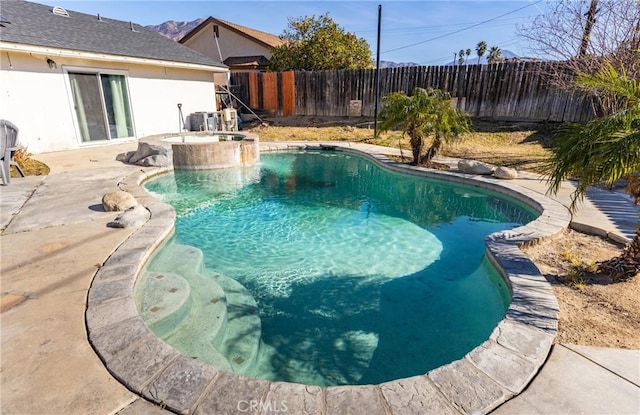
x=511, y=149
x=523, y=146
x=327, y=133
x=28, y=165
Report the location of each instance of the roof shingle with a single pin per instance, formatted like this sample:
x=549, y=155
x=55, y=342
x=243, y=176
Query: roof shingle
x=35, y=24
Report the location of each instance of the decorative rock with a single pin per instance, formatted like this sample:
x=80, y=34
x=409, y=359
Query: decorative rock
x=505, y=173
x=133, y=217
x=118, y=201
x=145, y=150
x=124, y=157
x=156, y=160
x=474, y=167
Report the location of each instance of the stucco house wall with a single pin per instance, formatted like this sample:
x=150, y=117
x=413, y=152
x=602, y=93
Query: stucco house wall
x=39, y=101
x=231, y=44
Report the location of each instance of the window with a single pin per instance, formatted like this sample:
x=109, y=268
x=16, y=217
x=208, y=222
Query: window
x=102, y=107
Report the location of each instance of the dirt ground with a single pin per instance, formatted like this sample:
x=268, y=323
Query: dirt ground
x=593, y=310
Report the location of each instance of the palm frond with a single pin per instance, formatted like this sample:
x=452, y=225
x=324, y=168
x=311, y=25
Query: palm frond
x=605, y=149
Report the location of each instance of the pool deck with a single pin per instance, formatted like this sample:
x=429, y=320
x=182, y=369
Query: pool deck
x=55, y=238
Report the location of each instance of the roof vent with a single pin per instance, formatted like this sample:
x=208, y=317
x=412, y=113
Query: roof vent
x=59, y=11
x=4, y=22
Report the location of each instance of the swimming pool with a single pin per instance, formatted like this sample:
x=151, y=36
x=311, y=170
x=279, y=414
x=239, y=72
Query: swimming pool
x=325, y=269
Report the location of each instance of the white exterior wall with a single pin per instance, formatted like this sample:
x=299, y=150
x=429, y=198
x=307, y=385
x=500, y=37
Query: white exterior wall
x=38, y=101
x=34, y=98
x=231, y=44
x=156, y=92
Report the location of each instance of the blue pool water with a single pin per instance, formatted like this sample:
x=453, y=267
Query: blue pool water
x=334, y=270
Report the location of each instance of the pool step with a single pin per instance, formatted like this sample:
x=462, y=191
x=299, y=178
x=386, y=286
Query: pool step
x=242, y=336
x=197, y=335
x=184, y=260
x=219, y=310
x=262, y=366
x=165, y=302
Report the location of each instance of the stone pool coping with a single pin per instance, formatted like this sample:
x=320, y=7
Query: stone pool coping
x=487, y=376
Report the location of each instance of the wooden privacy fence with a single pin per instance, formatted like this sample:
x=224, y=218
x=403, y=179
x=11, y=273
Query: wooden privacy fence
x=508, y=90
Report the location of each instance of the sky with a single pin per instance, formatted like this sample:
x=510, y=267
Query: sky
x=425, y=32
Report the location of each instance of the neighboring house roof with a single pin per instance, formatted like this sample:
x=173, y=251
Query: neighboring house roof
x=265, y=39
x=256, y=61
x=35, y=24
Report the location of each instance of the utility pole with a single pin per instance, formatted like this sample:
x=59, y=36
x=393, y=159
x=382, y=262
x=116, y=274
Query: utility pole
x=375, y=115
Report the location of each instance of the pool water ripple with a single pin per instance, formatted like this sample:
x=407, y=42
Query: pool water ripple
x=360, y=275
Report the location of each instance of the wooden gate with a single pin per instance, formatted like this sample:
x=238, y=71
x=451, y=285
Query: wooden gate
x=275, y=91
x=288, y=87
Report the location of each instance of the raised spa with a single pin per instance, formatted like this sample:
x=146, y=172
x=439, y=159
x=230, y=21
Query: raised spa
x=326, y=269
x=213, y=151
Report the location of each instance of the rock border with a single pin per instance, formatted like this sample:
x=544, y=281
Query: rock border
x=487, y=376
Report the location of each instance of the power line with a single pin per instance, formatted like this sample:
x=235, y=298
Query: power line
x=463, y=29
x=436, y=28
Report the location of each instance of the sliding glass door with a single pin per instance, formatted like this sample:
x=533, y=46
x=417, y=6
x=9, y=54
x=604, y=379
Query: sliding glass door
x=102, y=106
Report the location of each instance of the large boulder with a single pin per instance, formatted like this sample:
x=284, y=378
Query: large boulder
x=134, y=217
x=505, y=173
x=145, y=150
x=474, y=167
x=157, y=160
x=125, y=157
x=118, y=201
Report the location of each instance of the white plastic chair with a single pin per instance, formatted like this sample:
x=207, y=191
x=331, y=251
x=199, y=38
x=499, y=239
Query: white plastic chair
x=8, y=147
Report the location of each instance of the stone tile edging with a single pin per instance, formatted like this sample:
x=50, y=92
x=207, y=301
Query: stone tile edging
x=490, y=374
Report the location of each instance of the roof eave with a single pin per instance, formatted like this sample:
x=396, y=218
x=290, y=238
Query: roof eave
x=68, y=53
x=211, y=19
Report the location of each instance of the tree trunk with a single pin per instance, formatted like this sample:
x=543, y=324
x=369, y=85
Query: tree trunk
x=433, y=150
x=416, y=142
x=416, y=148
x=591, y=20
x=627, y=264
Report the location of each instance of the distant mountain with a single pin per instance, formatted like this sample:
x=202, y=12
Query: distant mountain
x=175, y=30
x=471, y=60
x=390, y=64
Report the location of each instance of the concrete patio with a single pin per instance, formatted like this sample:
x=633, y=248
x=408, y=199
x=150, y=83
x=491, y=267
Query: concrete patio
x=55, y=238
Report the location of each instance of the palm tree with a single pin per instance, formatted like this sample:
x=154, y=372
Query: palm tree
x=604, y=150
x=467, y=52
x=495, y=55
x=481, y=48
x=461, y=57
x=427, y=112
